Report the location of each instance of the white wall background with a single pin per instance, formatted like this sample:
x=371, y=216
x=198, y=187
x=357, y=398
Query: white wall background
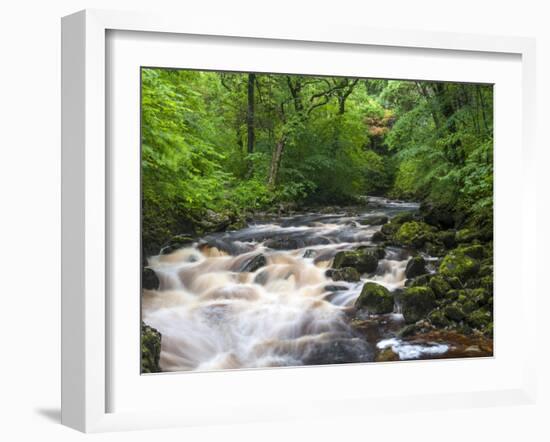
x=30, y=217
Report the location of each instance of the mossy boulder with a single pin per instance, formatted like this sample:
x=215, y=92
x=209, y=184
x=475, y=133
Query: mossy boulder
x=403, y=217
x=363, y=260
x=374, y=220
x=388, y=230
x=150, y=349
x=375, y=298
x=438, y=319
x=415, y=267
x=348, y=274
x=457, y=264
x=439, y=286
x=414, y=234
x=419, y=281
x=454, y=312
x=434, y=249
x=454, y=282
x=474, y=251
x=440, y=215
x=417, y=302
x=447, y=238
x=479, y=319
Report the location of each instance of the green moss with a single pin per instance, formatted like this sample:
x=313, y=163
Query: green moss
x=457, y=264
x=375, y=298
x=438, y=319
x=417, y=303
x=474, y=251
x=363, y=260
x=150, y=349
x=403, y=217
x=439, y=286
x=454, y=312
x=348, y=274
x=414, y=234
x=479, y=319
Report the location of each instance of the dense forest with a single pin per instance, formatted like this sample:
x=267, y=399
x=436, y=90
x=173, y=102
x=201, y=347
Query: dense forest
x=219, y=146
x=302, y=220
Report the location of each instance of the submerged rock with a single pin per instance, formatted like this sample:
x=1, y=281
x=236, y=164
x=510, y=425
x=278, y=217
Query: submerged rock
x=414, y=234
x=150, y=349
x=417, y=302
x=375, y=298
x=415, y=267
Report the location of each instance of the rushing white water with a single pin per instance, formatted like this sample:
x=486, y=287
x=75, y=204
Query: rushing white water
x=217, y=310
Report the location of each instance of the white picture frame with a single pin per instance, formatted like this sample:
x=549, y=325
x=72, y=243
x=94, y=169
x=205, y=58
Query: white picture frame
x=86, y=235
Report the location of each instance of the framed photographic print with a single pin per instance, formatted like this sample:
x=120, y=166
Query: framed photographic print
x=250, y=213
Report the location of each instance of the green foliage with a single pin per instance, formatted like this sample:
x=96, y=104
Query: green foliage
x=316, y=140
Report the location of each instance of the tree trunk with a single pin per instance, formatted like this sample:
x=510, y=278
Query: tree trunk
x=250, y=121
x=276, y=162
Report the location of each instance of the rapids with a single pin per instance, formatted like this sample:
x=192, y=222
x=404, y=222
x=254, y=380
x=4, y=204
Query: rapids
x=259, y=297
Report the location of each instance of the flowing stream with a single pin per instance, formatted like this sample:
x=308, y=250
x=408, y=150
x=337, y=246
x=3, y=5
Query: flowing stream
x=259, y=297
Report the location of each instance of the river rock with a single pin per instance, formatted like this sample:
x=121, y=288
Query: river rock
x=348, y=274
x=456, y=263
x=149, y=279
x=439, y=286
x=364, y=260
x=285, y=243
x=374, y=220
x=378, y=236
x=150, y=349
x=414, y=234
x=454, y=312
x=338, y=351
x=417, y=302
x=254, y=264
x=375, y=298
x=415, y=267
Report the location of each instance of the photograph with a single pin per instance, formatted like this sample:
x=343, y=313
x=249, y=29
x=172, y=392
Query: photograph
x=295, y=220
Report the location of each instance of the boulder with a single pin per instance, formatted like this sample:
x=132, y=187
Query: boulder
x=348, y=274
x=479, y=319
x=403, y=217
x=375, y=298
x=454, y=312
x=438, y=319
x=150, y=349
x=390, y=229
x=417, y=302
x=374, y=220
x=149, y=279
x=378, y=237
x=415, y=267
x=364, y=260
x=457, y=264
x=447, y=238
x=414, y=234
x=439, y=286
x=474, y=251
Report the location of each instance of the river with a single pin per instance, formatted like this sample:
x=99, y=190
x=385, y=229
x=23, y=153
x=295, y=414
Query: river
x=259, y=296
